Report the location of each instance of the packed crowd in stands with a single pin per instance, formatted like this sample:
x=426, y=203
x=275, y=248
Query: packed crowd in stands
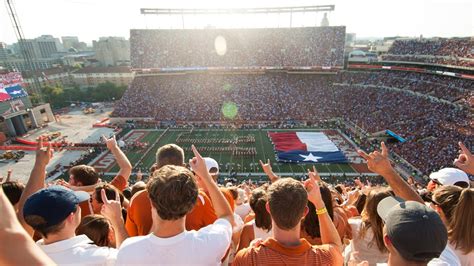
x=459, y=47
x=309, y=46
x=389, y=103
x=183, y=216
x=454, y=51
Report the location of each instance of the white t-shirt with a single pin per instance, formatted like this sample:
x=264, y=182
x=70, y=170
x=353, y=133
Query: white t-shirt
x=367, y=248
x=78, y=250
x=243, y=210
x=465, y=259
x=204, y=247
x=447, y=258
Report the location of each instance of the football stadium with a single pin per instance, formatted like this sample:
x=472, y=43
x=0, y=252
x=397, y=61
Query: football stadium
x=218, y=134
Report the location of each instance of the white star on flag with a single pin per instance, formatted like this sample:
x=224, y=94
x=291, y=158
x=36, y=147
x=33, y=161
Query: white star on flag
x=310, y=157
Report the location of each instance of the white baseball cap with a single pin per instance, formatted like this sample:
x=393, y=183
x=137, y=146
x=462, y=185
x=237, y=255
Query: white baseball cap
x=211, y=163
x=450, y=176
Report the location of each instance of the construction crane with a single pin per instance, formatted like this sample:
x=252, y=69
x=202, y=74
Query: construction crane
x=25, y=52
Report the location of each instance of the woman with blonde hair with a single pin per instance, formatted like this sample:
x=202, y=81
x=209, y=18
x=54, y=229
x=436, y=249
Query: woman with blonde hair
x=455, y=205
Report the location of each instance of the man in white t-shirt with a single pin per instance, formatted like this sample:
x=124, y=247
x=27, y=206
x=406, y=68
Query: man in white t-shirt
x=173, y=193
x=54, y=213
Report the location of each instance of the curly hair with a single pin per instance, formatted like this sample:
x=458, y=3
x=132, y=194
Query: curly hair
x=172, y=191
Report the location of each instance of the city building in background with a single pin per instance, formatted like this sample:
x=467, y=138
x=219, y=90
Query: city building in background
x=93, y=76
x=112, y=51
x=73, y=42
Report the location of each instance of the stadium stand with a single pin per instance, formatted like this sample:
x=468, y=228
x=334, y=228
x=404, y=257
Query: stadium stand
x=455, y=51
x=311, y=46
x=375, y=101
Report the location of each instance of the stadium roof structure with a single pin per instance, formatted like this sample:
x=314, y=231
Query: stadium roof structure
x=260, y=10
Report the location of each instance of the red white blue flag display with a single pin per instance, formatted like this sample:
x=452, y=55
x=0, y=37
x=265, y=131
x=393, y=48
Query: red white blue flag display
x=305, y=147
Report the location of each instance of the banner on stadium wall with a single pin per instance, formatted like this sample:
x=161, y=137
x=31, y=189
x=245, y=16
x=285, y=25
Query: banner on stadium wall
x=305, y=147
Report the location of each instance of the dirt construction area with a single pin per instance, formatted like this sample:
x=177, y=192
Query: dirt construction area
x=75, y=126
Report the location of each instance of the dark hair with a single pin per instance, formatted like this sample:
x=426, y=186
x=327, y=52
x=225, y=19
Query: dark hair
x=110, y=193
x=127, y=193
x=13, y=191
x=339, y=189
x=170, y=154
x=360, y=203
x=38, y=223
x=287, y=199
x=85, y=174
x=96, y=227
x=172, y=191
x=311, y=221
x=258, y=201
x=457, y=205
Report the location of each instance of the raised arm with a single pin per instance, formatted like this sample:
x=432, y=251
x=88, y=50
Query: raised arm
x=465, y=160
x=328, y=231
x=36, y=180
x=120, y=157
x=221, y=206
x=112, y=210
x=267, y=169
x=17, y=248
x=378, y=162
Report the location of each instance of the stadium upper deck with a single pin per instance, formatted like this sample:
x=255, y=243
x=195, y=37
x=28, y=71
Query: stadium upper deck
x=454, y=51
x=274, y=47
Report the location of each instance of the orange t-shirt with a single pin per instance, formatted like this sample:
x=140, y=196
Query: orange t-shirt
x=202, y=215
x=139, y=219
x=119, y=182
x=228, y=196
x=270, y=252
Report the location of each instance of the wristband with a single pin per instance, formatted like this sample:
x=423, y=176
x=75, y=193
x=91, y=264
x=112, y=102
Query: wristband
x=321, y=211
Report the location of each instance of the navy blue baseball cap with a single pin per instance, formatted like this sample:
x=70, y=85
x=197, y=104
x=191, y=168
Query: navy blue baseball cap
x=53, y=204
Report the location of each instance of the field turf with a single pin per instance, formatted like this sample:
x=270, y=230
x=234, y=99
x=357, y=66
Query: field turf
x=227, y=161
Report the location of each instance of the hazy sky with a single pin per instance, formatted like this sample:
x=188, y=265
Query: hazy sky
x=90, y=19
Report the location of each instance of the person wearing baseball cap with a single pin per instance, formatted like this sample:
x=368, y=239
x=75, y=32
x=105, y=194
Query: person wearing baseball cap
x=213, y=169
x=54, y=213
x=450, y=176
x=414, y=234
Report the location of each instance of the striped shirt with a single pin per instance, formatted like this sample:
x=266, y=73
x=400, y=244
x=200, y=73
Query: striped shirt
x=270, y=252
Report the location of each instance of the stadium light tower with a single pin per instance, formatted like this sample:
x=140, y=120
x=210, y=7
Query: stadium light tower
x=230, y=11
x=30, y=66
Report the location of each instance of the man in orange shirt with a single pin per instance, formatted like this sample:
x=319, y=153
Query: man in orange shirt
x=139, y=221
x=213, y=168
x=287, y=204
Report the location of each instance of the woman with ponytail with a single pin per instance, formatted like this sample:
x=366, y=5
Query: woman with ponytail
x=455, y=205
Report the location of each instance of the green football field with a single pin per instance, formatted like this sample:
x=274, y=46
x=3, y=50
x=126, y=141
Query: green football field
x=144, y=158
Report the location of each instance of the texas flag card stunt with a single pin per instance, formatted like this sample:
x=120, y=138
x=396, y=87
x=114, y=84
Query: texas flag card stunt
x=305, y=147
